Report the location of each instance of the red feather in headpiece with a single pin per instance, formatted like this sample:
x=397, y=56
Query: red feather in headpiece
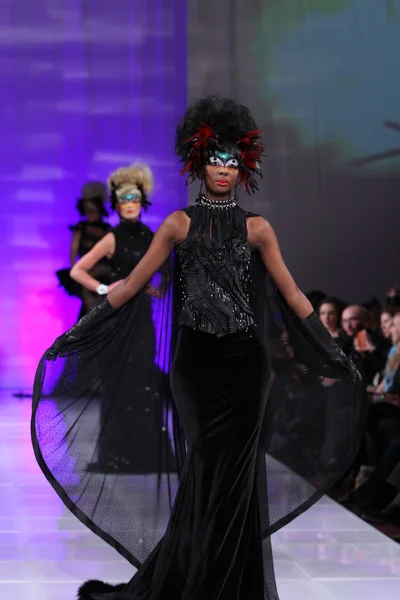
x=202, y=136
x=251, y=151
x=200, y=140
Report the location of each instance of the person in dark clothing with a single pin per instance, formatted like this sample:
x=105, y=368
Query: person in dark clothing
x=365, y=346
x=85, y=235
x=229, y=287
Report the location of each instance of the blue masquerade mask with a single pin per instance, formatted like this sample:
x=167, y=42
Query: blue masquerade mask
x=126, y=198
x=223, y=159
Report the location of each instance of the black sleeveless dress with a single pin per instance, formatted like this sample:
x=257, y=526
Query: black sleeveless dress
x=132, y=240
x=120, y=448
x=243, y=467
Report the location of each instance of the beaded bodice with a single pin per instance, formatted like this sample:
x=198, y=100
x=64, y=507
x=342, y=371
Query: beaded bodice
x=215, y=269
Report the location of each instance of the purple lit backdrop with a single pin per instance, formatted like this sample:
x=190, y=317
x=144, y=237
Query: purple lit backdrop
x=86, y=87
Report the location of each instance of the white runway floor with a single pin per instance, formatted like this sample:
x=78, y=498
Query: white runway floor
x=327, y=554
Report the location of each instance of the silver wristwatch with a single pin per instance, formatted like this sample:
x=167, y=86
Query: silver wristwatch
x=102, y=289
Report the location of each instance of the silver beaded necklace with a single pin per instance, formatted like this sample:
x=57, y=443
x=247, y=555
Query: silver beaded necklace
x=213, y=204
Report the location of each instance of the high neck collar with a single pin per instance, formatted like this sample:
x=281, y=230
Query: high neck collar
x=127, y=223
x=215, y=204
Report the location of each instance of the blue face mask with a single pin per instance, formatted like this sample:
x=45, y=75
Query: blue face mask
x=223, y=159
x=126, y=198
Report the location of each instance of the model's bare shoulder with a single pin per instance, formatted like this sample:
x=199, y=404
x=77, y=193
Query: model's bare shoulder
x=176, y=225
x=259, y=230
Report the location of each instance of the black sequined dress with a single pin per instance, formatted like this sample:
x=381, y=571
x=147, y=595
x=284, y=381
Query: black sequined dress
x=253, y=447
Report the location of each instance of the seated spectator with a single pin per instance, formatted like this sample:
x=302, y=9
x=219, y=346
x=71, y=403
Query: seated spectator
x=330, y=312
x=393, y=359
x=386, y=323
x=380, y=493
x=366, y=346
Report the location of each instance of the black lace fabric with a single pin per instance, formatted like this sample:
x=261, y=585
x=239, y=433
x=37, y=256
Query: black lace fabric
x=246, y=438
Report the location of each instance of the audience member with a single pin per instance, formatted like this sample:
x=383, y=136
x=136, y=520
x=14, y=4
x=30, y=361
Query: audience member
x=330, y=312
x=367, y=346
x=386, y=323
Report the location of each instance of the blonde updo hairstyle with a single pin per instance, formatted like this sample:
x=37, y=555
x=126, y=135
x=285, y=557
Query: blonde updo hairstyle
x=136, y=177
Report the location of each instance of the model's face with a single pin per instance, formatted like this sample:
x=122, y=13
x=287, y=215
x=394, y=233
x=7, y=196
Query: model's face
x=329, y=316
x=352, y=321
x=386, y=323
x=129, y=203
x=221, y=174
x=91, y=211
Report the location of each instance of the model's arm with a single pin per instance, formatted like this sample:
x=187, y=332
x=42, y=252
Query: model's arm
x=74, y=249
x=263, y=236
x=80, y=271
x=171, y=231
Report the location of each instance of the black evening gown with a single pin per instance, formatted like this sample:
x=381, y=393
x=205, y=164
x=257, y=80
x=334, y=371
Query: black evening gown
x=257, y=438
x=120, y=448
x=91, y=233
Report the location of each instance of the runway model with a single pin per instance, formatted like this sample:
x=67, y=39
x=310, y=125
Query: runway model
x=85, y=234
x=120, y=450
x=230, y=303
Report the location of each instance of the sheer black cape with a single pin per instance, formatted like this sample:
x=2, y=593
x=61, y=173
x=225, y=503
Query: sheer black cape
x=311, y=432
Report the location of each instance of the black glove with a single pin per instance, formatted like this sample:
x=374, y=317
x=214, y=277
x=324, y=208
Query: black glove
x=324, y=352
x=96, y=316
